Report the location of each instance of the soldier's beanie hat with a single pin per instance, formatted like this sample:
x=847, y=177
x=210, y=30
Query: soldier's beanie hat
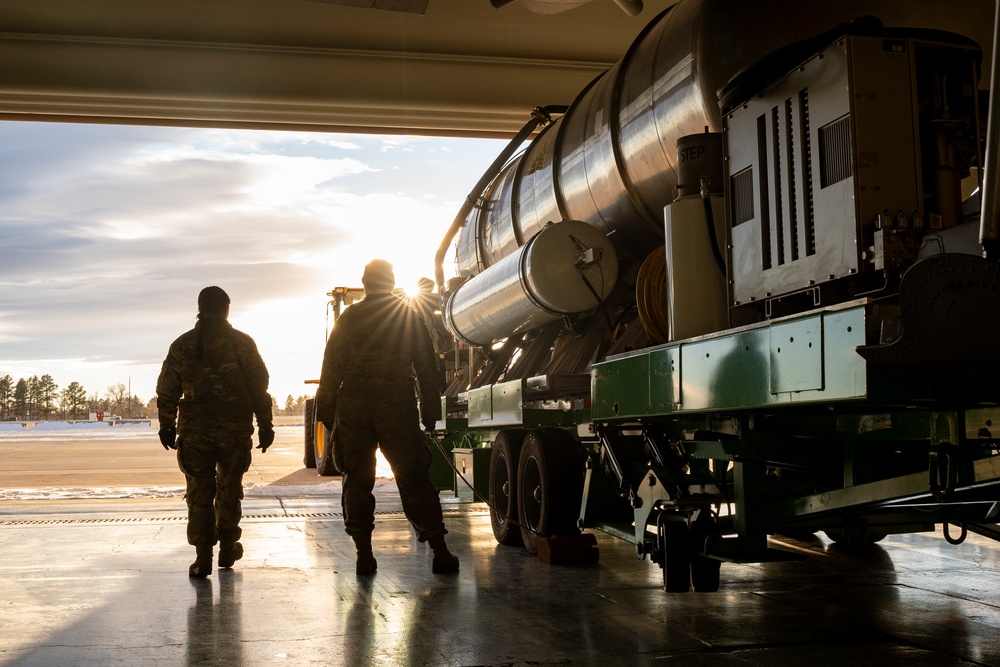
x=213, y=300
x=378, y=276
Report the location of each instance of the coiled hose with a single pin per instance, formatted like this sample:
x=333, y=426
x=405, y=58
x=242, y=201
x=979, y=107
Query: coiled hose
x=651, y=296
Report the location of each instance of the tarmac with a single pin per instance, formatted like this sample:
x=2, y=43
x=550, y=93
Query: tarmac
x=104, y=582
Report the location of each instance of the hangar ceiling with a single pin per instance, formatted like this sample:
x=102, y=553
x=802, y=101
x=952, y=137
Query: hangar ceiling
x=445, y=67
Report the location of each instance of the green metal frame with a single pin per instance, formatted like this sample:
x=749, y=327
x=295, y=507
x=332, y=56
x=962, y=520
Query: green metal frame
x=802, y=359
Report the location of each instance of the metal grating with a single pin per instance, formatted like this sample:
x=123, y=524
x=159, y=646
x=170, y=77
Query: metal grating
x=809, y=221
x=835, y=151
x=765, y=202
x=741, y=187
x=793, y=208
x=778, y=182
x=246, y=517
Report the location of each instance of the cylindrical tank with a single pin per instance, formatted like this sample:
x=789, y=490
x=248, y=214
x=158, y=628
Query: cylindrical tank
x=696, y=283
x=610, y=160
x=567, y=268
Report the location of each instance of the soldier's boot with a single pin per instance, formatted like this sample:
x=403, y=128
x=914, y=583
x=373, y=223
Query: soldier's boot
x=366, y=564
x=202, y=566
x=444, y=562
x=229, y=553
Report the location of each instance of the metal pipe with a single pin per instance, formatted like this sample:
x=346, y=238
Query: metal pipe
x=539, y=116
x=989, y=221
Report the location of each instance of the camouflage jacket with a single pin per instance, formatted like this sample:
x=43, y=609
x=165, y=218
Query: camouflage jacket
x=379, y=344
x=219, y=390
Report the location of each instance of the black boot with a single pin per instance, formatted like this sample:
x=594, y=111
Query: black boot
x=366, y=564
x=202, y=566
x=229, y=553
x=445, y=562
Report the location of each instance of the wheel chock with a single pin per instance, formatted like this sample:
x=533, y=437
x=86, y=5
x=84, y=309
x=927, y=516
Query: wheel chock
x=579, y=549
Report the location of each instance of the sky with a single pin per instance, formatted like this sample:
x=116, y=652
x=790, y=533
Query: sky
x=108, y=233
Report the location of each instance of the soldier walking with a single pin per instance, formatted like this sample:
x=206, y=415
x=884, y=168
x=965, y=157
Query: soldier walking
x=215, y=378
x=367, y=398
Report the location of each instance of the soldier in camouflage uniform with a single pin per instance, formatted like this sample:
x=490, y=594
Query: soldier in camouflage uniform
x=366, y=397
x=215, y=377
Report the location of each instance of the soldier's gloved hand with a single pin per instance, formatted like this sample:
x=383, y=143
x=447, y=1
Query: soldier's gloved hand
x=266, y=436
x=168, y=438
x=429, y=424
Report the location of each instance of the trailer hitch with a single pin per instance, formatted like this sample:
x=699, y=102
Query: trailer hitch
x=943, y=471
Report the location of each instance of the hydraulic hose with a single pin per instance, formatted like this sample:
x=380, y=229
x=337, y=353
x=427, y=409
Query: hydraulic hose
x=540, y=116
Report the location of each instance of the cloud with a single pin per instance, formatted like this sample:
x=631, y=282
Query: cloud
x=108, y=233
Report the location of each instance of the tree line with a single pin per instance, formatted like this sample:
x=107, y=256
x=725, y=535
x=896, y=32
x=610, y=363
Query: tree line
x=39, y=399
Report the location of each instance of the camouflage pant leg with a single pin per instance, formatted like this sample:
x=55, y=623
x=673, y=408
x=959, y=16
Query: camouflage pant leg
x=405, y=449
x=214, y=471
x=354, y=455
x=397, y=427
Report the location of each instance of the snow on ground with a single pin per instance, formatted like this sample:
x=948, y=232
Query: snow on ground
x=66, y=426
x=116, y=493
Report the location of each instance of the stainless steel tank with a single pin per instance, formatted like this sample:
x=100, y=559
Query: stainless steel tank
x=610, y=160
x=569, y=267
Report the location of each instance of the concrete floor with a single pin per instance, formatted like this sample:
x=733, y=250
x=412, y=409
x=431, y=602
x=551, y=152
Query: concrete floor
x=105, y=583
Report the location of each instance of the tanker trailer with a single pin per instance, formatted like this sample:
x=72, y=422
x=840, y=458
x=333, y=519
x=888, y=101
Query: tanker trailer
x=791, y=343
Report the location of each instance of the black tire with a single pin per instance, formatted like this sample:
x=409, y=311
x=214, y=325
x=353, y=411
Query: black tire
x=675, y=547
x=705, y=571
x=309, y=421
x=323, y=448
x=549, y=486
x=854, y=540
x=504, y=460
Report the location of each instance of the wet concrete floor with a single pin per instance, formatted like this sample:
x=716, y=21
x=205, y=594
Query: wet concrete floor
x=105, y=583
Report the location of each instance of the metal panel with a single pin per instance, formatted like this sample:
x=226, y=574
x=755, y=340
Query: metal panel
x=740, y=370
x=846, y=374
x=665, y=378
x=620, y=388
x=508, y=404
x=480, y=407
x=781, y=249
x=797, y=356
x=728, y=372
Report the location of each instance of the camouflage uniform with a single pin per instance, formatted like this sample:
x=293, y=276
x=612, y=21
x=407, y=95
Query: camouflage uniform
x=367, y=385
x=222, y=391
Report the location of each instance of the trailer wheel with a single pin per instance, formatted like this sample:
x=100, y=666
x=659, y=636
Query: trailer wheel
x=503, y=486
x=323, y=447
x=704, y=570
x=675, y=548
x=549, y=486
x=309, y=420
x=853, y=540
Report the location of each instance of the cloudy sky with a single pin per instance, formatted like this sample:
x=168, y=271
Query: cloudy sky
x=108, y=233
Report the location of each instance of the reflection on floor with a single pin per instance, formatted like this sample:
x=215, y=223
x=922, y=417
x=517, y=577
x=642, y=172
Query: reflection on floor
x=105, y=583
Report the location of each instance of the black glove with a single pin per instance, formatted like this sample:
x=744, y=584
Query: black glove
x=429, y=424
x=265, y=434
x=168, y=438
